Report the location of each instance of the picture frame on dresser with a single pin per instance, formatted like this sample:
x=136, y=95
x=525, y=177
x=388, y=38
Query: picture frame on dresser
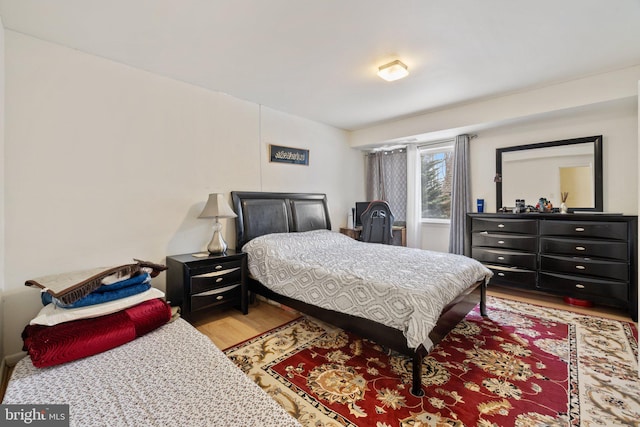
x=585, y=257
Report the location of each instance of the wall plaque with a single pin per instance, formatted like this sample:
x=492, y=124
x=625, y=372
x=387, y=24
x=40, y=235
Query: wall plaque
x=296, y=156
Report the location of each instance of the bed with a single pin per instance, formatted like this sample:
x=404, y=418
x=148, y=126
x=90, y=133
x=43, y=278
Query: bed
x=286, y=220
x=108, y=345
x=172, y=376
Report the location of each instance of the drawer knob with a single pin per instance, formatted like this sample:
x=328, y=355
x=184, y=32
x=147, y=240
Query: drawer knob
x=501, y=258
x=218, y=267
x=219, y=297
x=501, y=274
x=578, y=285
x=581, y=267
x=219, y=279
x=580, y=248
x=579, y=229
x=500, y=225
x=501, y=242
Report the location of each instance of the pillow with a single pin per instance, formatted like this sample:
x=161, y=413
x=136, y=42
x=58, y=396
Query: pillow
x=70, y=287
x=51, y=315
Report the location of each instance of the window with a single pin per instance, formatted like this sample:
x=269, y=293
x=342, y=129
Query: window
x=436, y=176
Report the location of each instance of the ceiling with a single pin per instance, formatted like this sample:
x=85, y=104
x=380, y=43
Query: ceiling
x=318, y=59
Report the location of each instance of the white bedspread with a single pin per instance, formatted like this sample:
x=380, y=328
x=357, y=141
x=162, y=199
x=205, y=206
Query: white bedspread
x=173, y=376
x=400, y=287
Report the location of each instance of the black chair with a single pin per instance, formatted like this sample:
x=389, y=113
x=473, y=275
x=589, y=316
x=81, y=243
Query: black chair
x=377, y=221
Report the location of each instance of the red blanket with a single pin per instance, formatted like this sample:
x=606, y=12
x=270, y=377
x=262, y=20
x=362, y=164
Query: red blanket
x=54, y=345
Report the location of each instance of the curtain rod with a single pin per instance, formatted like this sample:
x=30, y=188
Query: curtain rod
x=442, y=141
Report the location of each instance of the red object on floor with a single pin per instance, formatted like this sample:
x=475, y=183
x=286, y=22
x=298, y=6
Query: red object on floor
x=577, y=302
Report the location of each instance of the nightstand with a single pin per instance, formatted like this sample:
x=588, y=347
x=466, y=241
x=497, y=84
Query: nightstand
x=207, y=282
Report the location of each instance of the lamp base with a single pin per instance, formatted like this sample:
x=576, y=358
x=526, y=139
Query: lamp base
x=217, y=245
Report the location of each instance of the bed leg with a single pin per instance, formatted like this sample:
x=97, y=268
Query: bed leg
x=416, y=387
x=483, y=299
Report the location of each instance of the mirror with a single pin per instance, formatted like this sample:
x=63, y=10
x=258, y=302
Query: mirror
x=549, y=169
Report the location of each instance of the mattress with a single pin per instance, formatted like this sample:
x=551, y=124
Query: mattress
x=173, y=376
x=404, y=288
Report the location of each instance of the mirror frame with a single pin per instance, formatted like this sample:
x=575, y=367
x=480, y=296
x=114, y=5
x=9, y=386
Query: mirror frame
x=597, y=164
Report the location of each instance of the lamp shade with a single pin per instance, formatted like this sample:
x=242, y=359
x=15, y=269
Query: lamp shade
x=217, y=207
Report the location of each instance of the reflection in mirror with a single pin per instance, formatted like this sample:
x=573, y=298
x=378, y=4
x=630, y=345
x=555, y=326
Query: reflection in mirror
x=550, y=169
x=576, y=183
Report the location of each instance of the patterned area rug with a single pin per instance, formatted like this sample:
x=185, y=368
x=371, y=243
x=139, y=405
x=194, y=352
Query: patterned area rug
x=524, y=365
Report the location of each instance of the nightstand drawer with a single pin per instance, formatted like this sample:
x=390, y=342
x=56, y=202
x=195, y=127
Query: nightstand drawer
x=206, y=281
x=216, y=297
x=213, y=267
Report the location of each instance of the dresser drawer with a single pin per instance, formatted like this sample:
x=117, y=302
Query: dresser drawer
x=585, y=266
x=507, y=241
x=584, y=247
x=206, y=281
x=581, y=287
x=523, y=226
x=601, y=229
x=220, y=296
x=505, y=257
x=513, y=277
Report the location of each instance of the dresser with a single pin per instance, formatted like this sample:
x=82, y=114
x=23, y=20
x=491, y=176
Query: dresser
x=590, y=257
x=210, y=282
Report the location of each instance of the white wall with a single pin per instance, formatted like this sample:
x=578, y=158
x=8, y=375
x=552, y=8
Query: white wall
x=105, y=162
x=604, y=104
x=617, y=121
x=2, y=163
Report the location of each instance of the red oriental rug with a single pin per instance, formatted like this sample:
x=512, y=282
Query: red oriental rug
x=523, y=365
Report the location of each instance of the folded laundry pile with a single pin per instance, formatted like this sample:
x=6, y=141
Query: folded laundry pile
x=91, y=311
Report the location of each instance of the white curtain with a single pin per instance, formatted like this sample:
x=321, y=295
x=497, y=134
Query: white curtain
x=414, y=225
x=460, y=194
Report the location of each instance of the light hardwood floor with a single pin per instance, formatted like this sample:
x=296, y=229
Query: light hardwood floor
x=231, y=327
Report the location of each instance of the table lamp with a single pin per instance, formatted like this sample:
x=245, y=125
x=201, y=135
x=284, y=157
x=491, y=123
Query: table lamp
x=217, y=207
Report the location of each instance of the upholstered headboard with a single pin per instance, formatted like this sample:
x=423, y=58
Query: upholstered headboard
x=261, y=213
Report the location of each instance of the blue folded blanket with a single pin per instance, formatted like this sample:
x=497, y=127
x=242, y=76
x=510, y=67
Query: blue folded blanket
x=105, y=293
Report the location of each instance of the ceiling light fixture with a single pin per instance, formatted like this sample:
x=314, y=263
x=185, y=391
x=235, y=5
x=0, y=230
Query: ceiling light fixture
x=393, y=71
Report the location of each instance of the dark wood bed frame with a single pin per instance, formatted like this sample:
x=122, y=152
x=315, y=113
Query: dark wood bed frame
x=262, y=213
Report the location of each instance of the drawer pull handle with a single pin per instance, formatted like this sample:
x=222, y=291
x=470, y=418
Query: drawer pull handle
x=581, y=267
x=578, y=285
x=501, y=274
x=579, y=229
x=218, y=267
x=501, y=242
x=500, y=225
x=580, y=248
x=501, y=258
x=219, y=279
x=219, y=297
